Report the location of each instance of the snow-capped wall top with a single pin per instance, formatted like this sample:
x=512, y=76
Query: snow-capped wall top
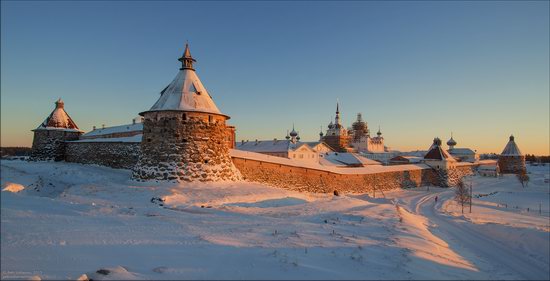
x=345, y=159
x=136, y=127
x=511, y=148
x=186, y=92
x=269, y=146
x=59, y=119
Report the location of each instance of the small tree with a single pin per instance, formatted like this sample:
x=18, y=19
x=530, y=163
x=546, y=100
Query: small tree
x=462, y=194
x=523, y=178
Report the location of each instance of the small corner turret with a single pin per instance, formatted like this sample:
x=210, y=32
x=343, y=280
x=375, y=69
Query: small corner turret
x=50, y=136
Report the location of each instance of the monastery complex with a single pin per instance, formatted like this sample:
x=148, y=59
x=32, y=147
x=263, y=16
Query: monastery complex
x=185, y=137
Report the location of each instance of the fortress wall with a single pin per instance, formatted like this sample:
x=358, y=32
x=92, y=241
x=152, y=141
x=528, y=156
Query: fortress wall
x=120, y=155
x=311, y=180
x=125, y=155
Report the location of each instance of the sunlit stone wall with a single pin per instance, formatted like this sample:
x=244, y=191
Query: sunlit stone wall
x=184, y=146
x=311, y=180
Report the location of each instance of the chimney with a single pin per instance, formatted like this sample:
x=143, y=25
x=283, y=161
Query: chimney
x=102, y=126
x=133, y=121
x=93, y=128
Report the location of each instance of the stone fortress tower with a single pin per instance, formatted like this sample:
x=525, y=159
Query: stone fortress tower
x=50, y=136
x=185, y=134
x=511, y=160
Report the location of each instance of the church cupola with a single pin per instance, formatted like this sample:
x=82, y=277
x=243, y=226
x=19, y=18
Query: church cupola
x=379, y=133
x=294, y=135
x=187, y=60
x=451, y=142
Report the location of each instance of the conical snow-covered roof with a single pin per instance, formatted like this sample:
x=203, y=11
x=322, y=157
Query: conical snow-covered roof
x=59, y=119
x=511, y=148
x=186, y=92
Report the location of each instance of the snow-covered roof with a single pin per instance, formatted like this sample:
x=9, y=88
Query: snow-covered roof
x=346, y=159
x=511, y=148
x=410, y=159
x=136, y=138
x=461, y=151
x=186, y=92
x=370, y=169
x=313, y=144
x=59, y=120
x=271, y=146
x=437, y=153
x=114, y=129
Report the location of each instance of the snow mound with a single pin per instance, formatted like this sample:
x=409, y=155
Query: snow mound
x=111, y=273
x=12, y=187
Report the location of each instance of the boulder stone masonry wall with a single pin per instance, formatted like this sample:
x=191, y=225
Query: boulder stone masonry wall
x=184, y=146
x=511, y=164
x=311, y=180
x=120, y=155
x=49, y=145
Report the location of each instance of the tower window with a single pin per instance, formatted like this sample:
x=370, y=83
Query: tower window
x=209, y=118
x=184, y=116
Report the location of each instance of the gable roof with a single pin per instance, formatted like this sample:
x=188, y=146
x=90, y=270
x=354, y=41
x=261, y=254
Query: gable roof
x=59, y=119
x=409, y=159
x=313, y=144
x=270, y=146
x=137, y=127
x=346, y=159
x=461, y=151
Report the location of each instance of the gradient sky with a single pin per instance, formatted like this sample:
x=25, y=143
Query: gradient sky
x=417, y=69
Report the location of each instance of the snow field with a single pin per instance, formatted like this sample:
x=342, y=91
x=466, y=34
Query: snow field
x=76, y=219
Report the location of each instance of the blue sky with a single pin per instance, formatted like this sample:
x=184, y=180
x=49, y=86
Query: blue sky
x=417, y=69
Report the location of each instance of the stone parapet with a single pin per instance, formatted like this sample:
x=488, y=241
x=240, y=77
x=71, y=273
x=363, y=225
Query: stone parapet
x=120, y=155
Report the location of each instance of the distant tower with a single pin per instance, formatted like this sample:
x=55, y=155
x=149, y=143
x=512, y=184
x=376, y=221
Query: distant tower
x=185, y=134
x=321, y=134
x=50, y=136
x=379, y=133
x=337, y=136
x=451, y=142
x=360, y=129
x=511, y=160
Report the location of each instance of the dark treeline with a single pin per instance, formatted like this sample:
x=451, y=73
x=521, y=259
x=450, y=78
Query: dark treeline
x=539, y=159
x=15, y=151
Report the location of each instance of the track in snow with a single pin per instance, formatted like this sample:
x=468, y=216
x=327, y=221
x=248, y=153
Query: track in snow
x=514, y=264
